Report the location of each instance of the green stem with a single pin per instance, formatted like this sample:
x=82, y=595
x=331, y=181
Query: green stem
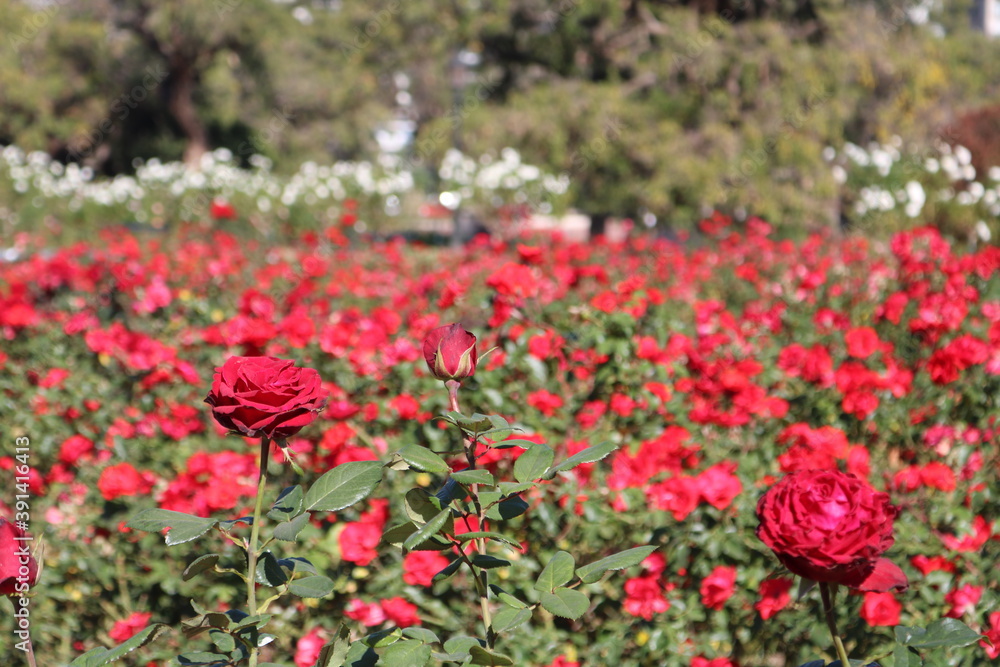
x=265, y=451
x=482, y=578
x=831, y=622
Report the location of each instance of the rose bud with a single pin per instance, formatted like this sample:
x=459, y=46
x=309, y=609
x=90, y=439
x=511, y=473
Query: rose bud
x=18, y=568
x=831, y=527
x=450, y=352
x=264, y=396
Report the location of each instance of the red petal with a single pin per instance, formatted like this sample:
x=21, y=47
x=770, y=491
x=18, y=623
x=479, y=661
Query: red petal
x=886, y=576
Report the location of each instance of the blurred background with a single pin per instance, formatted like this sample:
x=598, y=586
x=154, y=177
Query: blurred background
x=383, y=116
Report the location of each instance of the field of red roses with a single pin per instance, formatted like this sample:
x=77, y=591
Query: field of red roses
x=718, y=366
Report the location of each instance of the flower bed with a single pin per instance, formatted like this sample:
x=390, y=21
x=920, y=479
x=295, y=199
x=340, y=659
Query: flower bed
x=715, y=369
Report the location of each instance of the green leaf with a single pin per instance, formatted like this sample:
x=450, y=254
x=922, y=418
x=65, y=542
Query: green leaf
x=199, y=565
x=223, y=641
x=481, y=656
x=202, y=658
x=509, y=618
x=451, y=490
x=289, y=530
x=588, y=455
x=499, y=428
x=361, y=655
x=420, y=506
x=315, y=586
x=423, y=634
x=488, y=562
x=269, y=573
x=512, y=488
x=565, y=602
x=507, y=598
x=593, y=572
x=450, y=569
x=335, y=651
x=473, y=425
x=903, y=656
x=477, y=476
x=460, y=644
x=407, y=653
x=508, y=508
x=298, y=565
x=382, y=638
x=183, y=527
x=428, y=530
x=533, y=463
x=288, y=505
x=558, y=571
x=102, y=656
x=514, y=442
x=421, y=458
x=492, y=537
x=943, y=632
x=343, y=486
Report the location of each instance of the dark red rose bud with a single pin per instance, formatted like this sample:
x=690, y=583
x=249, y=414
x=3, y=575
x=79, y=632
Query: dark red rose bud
x=18, y=568
x=831, y=527
x=264, y=396
x=450, y=352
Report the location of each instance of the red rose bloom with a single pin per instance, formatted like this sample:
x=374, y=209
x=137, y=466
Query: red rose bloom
x=126, y=629
x=18, y=568
x=881, y=609
x=831, y=527
x=264, y=396
x=450, y=352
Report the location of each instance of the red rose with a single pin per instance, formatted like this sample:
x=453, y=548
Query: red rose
x=450, y=352
x=264, y=396
x=124, y=480
x=718, y=587
x=125, y=630
x=773, y=596
x=307, y=649
x=881, y=609
x=18, y=568
x=830, y=526
x=400, y=612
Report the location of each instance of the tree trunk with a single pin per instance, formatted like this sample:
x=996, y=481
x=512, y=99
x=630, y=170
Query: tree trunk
x=598, y=224
x=180, y=102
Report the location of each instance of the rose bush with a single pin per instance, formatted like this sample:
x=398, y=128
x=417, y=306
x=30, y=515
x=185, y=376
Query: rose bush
x=257, y=396
x=717, y=366
x=831, y=527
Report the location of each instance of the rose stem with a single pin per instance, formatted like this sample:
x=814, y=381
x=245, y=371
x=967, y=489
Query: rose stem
x=824, y=591
x=482, y=581
x=265, y=451
x=30, y=653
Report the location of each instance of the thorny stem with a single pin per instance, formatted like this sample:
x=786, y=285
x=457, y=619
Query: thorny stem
x=482, y=580
x=831, y=622
x=265, y=450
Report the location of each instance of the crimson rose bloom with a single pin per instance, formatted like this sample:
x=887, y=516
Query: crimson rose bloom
x=831, y=527
x=264, y=396
x=450, y=352
x=18, y=568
